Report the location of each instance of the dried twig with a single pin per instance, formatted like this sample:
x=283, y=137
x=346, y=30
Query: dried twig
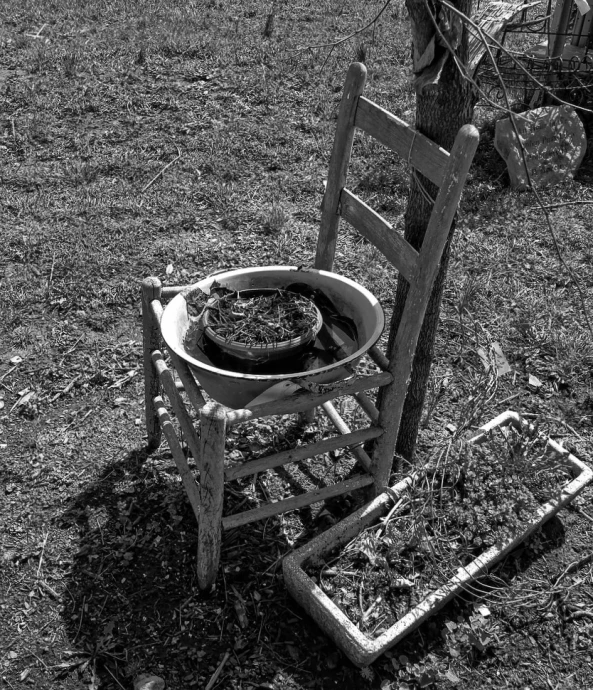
x=114, y=678
x=80, y=622
x=48, y=589
x=41, y=555
x=51, y=274
x=218, y=671
x=38, y=34
x=67, y=389
x=160, y=173
x=575, y=565
x=561, y=203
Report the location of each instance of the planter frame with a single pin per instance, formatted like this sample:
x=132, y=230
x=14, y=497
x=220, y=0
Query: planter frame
x=362, y=649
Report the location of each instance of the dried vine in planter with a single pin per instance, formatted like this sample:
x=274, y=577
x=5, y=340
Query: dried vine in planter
x=259, y=317
x=466, y=499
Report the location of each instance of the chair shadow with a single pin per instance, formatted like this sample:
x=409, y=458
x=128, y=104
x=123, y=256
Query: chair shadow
x=134, y=605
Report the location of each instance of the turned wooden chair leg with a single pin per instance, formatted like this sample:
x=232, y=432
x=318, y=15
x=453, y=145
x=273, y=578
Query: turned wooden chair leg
x=151, y=290
x=212, y=438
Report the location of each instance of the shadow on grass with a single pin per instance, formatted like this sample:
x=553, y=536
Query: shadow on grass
x=134, y=605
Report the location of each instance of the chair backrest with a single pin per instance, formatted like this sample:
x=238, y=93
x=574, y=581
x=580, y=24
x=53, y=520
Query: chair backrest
x=446, y=170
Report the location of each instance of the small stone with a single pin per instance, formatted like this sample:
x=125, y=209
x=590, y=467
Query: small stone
x=554, y=143
x=145, y=681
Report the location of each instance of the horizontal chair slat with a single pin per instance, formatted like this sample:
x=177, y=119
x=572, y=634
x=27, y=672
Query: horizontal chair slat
x=381, y=233
x=296, y=502
x=422, y=153
x=304, y=400
x=302, y=452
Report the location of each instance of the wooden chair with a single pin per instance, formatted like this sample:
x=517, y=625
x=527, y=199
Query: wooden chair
x=207, y=445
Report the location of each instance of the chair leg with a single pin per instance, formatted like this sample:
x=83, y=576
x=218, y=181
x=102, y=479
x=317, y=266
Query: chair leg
x=212, y=439
x=151, y=290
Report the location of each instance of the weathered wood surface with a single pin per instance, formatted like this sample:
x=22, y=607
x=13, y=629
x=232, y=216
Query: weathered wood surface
x=172, y=290
x=420, y=151
x=379, y=358
x=189, y=483
x=151, y=340
x=368, y=406
x=296, y=502
x=343, y=428
x=185, y=421
x=212, y=437
x=402, y=349
x=338, y=167
x=381, y=233
x=302, y=452
x=189, y=383
x=303, y=400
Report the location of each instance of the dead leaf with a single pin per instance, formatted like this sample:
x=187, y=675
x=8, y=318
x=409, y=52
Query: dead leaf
x=483, y=357
x=452, y=678
x=534, y=381
x=26, y=395
x=502, y=365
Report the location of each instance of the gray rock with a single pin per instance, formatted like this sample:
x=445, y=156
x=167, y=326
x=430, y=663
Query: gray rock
x=146, y=681
x=554, y=141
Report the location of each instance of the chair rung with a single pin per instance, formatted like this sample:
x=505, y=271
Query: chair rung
x=308, y=451
x=172, y=290
x=189, y=383
x=296, y=502
x=368, y=406
x=343, y=428
x=379, y=358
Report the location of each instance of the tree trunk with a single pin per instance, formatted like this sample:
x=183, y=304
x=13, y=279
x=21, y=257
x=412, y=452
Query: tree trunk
x=441, y=110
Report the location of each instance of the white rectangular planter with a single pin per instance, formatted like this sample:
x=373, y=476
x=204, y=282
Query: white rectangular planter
x=362, y=649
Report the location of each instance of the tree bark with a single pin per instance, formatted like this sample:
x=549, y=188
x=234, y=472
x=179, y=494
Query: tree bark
x=441, y=110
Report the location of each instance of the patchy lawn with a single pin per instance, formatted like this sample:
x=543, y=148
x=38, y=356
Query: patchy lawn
x=98, y=542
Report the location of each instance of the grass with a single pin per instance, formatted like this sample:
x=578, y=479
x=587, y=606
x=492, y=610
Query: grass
x=98, y=99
